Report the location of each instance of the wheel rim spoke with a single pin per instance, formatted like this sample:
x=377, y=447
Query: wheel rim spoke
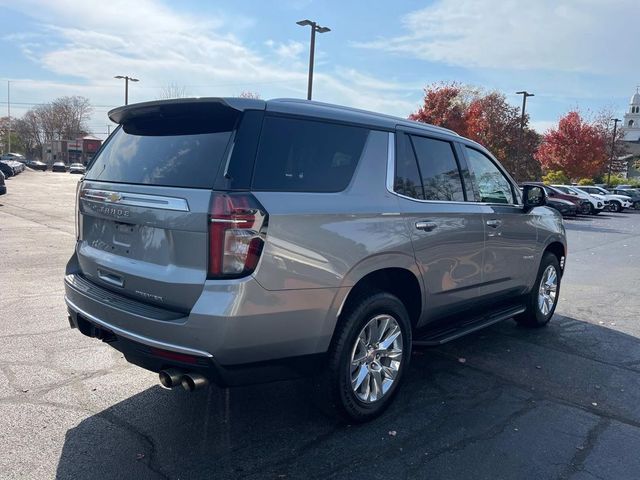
x=390, y=338
x=376, y=380
x=363, y=373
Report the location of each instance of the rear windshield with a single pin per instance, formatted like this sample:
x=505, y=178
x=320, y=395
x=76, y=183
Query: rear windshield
x=173, y=150
x=298, y=155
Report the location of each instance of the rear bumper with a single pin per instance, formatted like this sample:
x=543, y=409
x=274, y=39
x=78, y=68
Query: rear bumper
x=156, y=359
x=232, y=325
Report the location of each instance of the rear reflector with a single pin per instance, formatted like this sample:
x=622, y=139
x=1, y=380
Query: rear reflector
x=237, y=227
x=178, y=357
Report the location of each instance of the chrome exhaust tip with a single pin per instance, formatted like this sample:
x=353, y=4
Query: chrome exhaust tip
x=193, y=381
x=170, y=377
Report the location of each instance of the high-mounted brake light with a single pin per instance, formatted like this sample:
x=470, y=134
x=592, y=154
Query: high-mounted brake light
x=237, y=227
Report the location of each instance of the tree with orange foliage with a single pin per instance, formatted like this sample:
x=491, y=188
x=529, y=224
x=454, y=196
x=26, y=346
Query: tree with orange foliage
x=486, y=118
x=576, y=147
x=444, y=105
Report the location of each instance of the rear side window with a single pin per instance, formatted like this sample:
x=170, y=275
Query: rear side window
x=174, y=149
x=407, y=179
x=297, y=155
x=439, y=169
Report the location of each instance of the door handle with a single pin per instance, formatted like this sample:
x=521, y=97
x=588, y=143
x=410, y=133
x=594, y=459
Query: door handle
x=494, y=223
x=426, y=226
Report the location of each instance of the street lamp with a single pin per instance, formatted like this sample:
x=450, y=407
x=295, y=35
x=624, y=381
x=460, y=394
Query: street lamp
x=613, y=147
x=127, y=79
x=314, y=28
x=524, y=94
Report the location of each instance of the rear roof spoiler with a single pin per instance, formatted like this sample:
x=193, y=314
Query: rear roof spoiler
x=128, y=112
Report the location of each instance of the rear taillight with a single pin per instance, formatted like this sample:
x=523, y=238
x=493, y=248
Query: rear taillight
x=237, y=228
x=78, y=193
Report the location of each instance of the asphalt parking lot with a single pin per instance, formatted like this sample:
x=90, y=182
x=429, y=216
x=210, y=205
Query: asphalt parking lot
x=506, y=403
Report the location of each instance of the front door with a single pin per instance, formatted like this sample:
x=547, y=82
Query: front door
x=510, y=232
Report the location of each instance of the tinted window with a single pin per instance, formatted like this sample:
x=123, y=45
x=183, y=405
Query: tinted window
x=438, y=169
x=491, y=184
x=307, y=156
x=177, y=151
x=407, y=178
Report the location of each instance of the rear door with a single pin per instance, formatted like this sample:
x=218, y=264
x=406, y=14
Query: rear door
x=144, y=203
x=446, y=231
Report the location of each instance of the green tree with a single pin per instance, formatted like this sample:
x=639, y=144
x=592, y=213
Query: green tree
x=556, y=177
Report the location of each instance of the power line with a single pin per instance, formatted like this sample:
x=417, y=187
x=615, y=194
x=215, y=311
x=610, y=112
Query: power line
x=110, y=85
x=35, y=104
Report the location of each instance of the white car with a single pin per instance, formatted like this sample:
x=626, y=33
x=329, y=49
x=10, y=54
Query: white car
x=617, y=203
x=596, y=202
x=77, y=168
x=18, y=157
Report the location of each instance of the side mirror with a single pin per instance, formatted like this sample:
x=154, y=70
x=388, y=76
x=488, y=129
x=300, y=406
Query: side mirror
x=533, y=196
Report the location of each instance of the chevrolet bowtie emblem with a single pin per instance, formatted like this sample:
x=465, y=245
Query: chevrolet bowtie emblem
x=114, y=197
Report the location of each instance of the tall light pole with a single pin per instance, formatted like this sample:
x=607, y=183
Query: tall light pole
x=613, y=147
x=524, y=94
x=314, y=28
x=9, y=115
x=127, y=79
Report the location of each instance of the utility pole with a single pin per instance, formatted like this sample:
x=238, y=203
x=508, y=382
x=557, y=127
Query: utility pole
x=524, y=94
x=126, y=79
x=314, y=28
x=613, y=147
x=9, y=115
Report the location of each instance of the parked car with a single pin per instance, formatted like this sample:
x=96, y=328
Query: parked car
x=37, y=165
x=59, y=167
x=595, y=204
x=617, y=203
x=326, y=241
x=76, y=168
x=6, y=169
x=3, y=186
x=632, y=193
x=582, y=206
x=565, y=207
x=12, y=166
x=18, y=157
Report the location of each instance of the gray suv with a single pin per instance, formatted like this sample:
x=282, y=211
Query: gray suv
x=239, y=241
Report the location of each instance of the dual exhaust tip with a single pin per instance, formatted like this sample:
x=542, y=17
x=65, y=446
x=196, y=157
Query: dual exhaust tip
x=172, y=377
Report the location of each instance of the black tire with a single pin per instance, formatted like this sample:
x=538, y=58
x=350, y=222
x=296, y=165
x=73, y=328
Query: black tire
x=533, y=316
x=585, y=208
x=615, y=206
x=333, y=392
x=592, y=209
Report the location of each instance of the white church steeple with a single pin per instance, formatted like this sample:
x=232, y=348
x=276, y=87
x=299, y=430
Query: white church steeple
x=631, y=126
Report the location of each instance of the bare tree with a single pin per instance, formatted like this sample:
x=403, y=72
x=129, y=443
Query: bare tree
x=64, y=118
x=173, y=90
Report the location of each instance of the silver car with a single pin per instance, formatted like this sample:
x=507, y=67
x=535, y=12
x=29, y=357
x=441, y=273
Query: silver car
x=241, y=241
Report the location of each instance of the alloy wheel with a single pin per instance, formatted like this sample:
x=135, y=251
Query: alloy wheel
x=548, y=290
x=376, y=357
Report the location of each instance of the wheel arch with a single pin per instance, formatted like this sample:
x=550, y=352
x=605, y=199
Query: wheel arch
x=558, y=249
x=397, y=274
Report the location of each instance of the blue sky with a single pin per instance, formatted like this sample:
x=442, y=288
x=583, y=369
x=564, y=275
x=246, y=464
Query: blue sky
x=379, y=54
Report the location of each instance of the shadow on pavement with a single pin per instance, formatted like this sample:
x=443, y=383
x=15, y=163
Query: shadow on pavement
x=506, y=402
